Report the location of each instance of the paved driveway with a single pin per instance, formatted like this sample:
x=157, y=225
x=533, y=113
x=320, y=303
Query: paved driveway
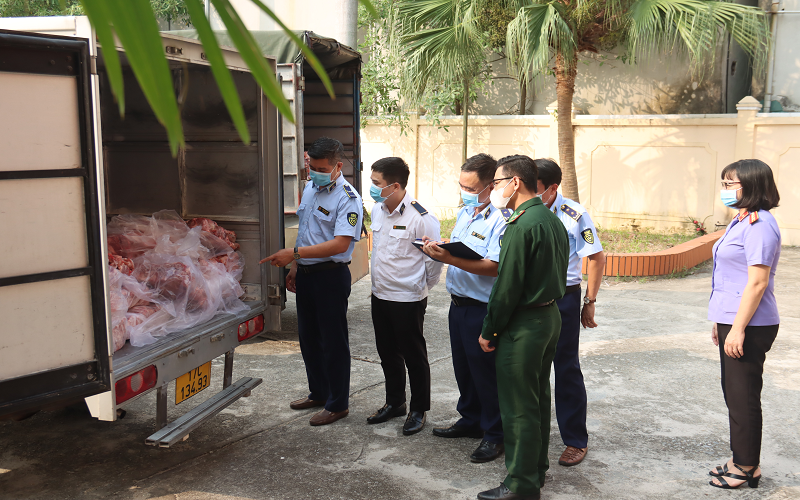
x=657, y=420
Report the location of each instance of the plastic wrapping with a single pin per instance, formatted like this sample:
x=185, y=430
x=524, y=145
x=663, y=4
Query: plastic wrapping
x=183, y=276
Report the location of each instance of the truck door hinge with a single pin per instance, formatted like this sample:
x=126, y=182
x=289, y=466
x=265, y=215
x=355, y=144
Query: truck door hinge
x=93, y=65
x=301, y=83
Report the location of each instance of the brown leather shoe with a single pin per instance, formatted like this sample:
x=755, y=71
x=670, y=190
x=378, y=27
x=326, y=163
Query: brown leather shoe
x=572, y=456
x=302, y=404
x=326, y=417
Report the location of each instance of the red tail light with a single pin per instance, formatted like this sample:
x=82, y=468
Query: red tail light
x=251, y=327
x=136, y=384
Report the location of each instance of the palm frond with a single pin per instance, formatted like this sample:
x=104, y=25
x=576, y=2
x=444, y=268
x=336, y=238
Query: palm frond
x=693, y=27
x=537, y=33
x=439, y=41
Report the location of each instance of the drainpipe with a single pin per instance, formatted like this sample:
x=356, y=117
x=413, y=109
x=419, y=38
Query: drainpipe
x=773, y=13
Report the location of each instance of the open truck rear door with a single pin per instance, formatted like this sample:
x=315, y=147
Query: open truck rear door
x=51, y=271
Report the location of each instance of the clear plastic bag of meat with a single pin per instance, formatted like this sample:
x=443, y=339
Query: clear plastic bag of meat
x=125, y=292
x=190, y=274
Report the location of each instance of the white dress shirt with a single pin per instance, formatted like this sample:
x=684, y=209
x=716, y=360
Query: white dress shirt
x=400, y=271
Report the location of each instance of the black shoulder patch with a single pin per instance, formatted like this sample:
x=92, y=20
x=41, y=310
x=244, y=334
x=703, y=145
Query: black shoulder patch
x=506, y=212
x=588, y=236
x=352, y=218
x=348, y=191
x=571, y=212
x=419, y=208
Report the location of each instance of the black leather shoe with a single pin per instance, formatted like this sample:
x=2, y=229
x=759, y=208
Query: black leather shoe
x=503, y=493
x=486, y=452
x=385, y=413
x=414, y=423
x=454, y=431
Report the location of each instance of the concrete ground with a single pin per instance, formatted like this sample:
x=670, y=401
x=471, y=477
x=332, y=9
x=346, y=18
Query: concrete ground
x=657, y=420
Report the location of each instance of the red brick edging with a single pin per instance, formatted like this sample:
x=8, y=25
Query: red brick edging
x=675, y=259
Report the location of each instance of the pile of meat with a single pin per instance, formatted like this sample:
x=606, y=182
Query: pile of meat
x=166, y=275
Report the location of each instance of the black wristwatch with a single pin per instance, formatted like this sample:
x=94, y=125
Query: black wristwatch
x=587, y=300
x=296, y=254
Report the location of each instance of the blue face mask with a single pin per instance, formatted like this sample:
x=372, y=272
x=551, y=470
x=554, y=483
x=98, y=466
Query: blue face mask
x=320, y=179
x=728, y=197
x=375, y=192
x=471, y=199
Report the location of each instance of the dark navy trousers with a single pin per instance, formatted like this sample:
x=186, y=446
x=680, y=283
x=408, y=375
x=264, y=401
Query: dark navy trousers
x=475, y=373
x=570, y=389
x=322, y=324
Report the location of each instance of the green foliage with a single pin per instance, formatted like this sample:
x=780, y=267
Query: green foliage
x=646, y=29
x=38, y=8
x=172, y=10
x=493, y=19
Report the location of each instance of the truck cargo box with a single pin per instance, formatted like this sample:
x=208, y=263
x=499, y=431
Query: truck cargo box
x=68, y=163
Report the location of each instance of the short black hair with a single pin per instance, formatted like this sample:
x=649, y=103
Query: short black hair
x=759, y=191
x=393, y=169
x=325, y=147
x=483, y=165
x=520, y=166
x=548, y=171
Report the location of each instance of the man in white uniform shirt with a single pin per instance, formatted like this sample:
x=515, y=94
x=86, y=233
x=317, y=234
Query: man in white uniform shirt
x=401, y=276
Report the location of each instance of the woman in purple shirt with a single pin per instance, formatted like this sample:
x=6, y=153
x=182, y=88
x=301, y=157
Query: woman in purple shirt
x=744, y=311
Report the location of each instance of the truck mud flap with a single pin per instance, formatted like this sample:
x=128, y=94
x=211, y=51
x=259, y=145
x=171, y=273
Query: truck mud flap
x=181, y=427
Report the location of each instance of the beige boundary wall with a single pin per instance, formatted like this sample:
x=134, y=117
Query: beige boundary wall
x=643, y=170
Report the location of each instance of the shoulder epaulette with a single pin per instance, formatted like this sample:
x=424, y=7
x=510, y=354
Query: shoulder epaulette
x=506, y=213
x=571, y=212
x=348, y=191
x=753, y=217
x=419, y=208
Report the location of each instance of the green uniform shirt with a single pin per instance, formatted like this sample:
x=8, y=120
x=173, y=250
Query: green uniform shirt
x=533, y=265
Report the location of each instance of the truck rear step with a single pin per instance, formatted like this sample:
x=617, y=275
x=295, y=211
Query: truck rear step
x=177, y=430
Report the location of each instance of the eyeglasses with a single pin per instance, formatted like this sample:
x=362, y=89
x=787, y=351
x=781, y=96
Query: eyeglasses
x=729, y=184
x=494, y=182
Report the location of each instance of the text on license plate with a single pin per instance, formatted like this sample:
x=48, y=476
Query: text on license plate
x=191, y=383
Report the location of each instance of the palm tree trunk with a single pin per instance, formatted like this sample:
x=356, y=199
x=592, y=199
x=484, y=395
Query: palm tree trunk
x=565, y=89
x=523, y=96
x=465, y=118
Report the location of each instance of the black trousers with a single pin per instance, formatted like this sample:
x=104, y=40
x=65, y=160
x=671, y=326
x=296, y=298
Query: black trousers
x=476, y=374
x=741, y=386
x=322, y=324
x=401, y=345
x=570, y=388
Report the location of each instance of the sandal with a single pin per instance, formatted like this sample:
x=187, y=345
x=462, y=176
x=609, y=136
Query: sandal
x=719, y=471
x=747, y=478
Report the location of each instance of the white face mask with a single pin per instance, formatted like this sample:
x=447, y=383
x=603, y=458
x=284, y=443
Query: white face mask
x=497, y=199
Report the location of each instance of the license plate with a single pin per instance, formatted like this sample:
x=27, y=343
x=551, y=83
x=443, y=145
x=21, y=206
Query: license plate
x=191, y=383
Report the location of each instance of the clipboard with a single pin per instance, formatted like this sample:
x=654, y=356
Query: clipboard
x=457, y=249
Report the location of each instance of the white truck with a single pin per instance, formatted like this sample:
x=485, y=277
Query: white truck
x=68, y=163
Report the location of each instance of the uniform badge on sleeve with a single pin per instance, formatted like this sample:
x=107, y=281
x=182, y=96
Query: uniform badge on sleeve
x=352, y=218
x=588, y=236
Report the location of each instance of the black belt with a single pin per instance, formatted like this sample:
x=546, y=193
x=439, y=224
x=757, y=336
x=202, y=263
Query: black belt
x=540, y=304
x=322, y=266
x=465, y=301
x=573, y=288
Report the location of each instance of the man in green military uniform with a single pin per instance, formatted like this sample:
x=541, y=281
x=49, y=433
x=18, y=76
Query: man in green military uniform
x=523, y=323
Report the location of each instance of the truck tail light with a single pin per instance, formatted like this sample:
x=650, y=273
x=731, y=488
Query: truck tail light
x=135, y=384
x=251, y=327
